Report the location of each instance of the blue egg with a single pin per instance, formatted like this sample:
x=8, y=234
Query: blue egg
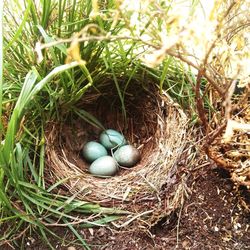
x=127, y=155
x=93, y=150
x=104, y=166
x=111, y=138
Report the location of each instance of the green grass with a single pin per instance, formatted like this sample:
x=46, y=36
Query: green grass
x=33, y=93
x=42, y=93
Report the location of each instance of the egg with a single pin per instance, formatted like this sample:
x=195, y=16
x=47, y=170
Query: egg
x=93, y=150
x=127, y=155
x=111, y=138
x=104, y=166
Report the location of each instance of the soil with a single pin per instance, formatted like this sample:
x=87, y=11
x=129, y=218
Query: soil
x=215, y=216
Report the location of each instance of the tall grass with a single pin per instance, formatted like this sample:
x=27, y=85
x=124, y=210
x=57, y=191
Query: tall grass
x=32, y=95
x=36, y=93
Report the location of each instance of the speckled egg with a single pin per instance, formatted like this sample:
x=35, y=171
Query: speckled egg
x=127, y=155
x=111, y=138
x=104, y=166
x=93, y=150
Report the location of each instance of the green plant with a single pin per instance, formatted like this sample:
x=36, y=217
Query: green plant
x=44, y=95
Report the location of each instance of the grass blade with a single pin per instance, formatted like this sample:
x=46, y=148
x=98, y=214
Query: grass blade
x=21, y=27
x=79, y=237
x=89, y=118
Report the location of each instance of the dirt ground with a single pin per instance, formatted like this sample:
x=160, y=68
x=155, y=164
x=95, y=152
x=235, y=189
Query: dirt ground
x=214, y=217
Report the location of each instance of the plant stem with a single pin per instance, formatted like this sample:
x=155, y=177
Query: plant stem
x=199, y=101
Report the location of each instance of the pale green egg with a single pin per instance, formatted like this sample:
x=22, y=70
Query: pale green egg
x=127, y=155
x=104, y=166
x=111, y=138
x=93, y=150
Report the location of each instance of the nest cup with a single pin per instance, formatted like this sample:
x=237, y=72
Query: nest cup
x=154, y=124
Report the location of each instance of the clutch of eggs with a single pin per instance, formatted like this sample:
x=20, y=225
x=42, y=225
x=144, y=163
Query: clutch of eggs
x=102, y=164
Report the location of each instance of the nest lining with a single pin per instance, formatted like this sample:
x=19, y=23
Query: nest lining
x=155, y=125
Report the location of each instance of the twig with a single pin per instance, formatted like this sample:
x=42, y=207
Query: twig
x=75, y=222
x=14, y=238
x=132, y=219
x=94, y=38
x=199, y=102
x=210, y=80
x=178, y=221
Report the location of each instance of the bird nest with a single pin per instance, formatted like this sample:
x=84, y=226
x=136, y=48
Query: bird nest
x=154, y=124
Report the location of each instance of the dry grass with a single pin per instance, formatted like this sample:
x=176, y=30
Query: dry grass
x=233, y=154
